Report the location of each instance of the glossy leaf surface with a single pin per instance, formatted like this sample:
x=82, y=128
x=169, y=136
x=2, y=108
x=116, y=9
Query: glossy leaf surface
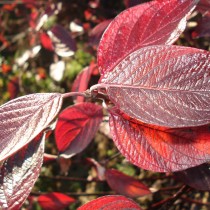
x=125, y=185
x=23, y=118
x=154, y=23
x=162, y=85
x=76, y=127
x=160, y=149
x=19, y=173
x=197, y=177
x=54, y=201
x=116, y=202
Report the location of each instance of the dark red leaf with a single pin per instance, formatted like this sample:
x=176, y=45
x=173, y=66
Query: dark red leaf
x=157, y=148
x=19, y=173
x=23, y=118
x=54, y=201
x=97, y=32
x=64, y=44
x=82, y=80
x=76, y=127
x=197, y=177
x=203, y=6
x=203, y=27
x=156, y=22
x=162, y=85
x=125, y=185
x=131, y=3
x=109, y=202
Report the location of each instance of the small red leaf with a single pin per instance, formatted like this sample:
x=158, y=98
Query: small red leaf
x=125, y=185
x=197, y=177
x=153, y=23
x=82, y=80
x=115, y=202
x=19, y=173
x=160, y=149
x=54, y=201
x=46, y=41
x=76, y=127
x=13, y=87
x=23, y=118
x=97, y=32
x=64, y=44
x=162, y=85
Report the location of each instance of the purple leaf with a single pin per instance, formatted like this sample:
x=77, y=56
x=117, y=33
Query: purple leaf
x=64, y=44
x=153, y=23
x=197, y=177
x=19, y=173
x=23, y=118
x=162, y=85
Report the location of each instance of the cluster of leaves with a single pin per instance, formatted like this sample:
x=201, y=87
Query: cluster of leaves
x=156, y=96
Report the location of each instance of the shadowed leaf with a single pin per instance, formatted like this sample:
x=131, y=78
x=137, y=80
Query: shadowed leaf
x=197, y=177
x=76, y=127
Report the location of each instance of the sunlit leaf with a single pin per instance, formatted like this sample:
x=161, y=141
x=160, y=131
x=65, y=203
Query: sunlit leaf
x=156, y=22
x=23, y=118
x=125, y=185
x=76, y=127
x=19, y=173
x=162, y=85
x=115, y=202
x=157, y=148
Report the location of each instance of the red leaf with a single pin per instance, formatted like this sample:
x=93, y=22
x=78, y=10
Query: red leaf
x=76, y=127
x=54, y=201
x=115, y=202
x=125, y=185
x=197, y=177
x=46, y=41
x=13, y=87
x=82, y=80
x=156, y=22
x=23, y=118
x=64, y=44
x=162, y=85
x=19, y=173
x=97, y=32
x=160, y=149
